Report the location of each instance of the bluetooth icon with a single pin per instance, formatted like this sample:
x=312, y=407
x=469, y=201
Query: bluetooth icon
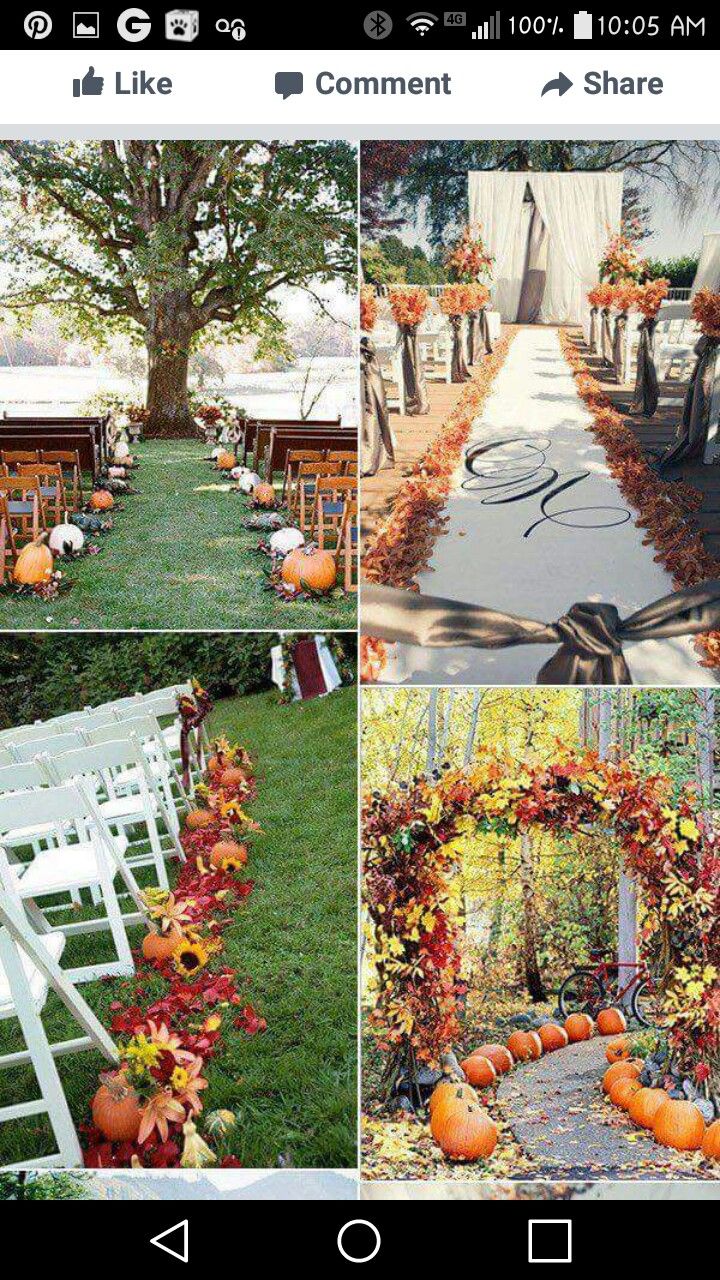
x=378, y=25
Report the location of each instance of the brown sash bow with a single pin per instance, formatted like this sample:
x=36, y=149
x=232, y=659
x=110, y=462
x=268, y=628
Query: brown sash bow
x=590, y=635
x=192, y=710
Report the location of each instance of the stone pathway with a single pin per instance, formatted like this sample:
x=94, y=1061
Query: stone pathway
x=560, y=1117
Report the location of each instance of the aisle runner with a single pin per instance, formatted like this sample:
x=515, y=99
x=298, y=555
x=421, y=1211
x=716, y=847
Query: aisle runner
x=535, y=524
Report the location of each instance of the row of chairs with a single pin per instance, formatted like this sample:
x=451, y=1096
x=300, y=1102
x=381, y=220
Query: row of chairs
x=320, y=489
x=87, y=800
x=37, y=490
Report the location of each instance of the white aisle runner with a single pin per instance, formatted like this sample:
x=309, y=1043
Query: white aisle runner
x=537, y=524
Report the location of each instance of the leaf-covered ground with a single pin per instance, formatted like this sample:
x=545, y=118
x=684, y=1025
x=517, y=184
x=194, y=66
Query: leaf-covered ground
x=293, y=944
x=177, y=558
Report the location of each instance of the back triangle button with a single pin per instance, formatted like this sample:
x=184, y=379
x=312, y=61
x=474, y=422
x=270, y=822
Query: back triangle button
x=179, y=1236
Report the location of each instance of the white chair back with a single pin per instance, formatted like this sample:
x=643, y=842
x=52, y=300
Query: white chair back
x=21, y=777
x=55, y=744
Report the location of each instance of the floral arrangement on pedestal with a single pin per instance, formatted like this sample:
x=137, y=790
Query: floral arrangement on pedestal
x=621, y=258
x=624, y=295
x=413, y=842
x=169, y=1016
x=467, y=259
x=601, y=295
x=456, y=299
x=650, y=296
x=705, y=311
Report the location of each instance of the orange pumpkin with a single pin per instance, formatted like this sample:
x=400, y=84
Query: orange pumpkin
x=305, y=567
x=34, y=563
x=679, y=1125
x=160, y=946
x=622, y=1091
x=101, y=500
x=479, y=1071
x=227, y=849
x=264, y=495
x=579, y=1026
x=711, y=1141
x=645, y=1105
x=552, y=1037
x=450, y=1093
x=500, y=1057
x=465, y=1132
x=232, y=777
x=611, y=1022
x=618, y=1050
x=622, y=1070
x=116, y=1109
x=199, y=818
x=525, y=1046
x=226, y=461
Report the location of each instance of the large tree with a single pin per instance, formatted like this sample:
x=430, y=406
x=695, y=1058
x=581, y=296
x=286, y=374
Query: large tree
x=399, y=179
x=174, y=239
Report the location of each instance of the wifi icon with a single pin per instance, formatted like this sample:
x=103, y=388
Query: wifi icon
x=422, y=22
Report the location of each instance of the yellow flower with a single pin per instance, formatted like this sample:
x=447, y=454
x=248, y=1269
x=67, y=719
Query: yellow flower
x=179, y=1079
x=190, y=957
x=688, y=828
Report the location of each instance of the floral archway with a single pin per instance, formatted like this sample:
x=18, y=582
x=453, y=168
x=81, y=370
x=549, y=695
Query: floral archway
x=413, y=849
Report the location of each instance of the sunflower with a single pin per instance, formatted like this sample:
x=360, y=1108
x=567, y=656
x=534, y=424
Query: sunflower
x=233, y=863
x=190, y=957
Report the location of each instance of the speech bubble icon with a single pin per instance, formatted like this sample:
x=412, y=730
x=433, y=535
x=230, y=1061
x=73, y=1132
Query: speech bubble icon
x=288, y=82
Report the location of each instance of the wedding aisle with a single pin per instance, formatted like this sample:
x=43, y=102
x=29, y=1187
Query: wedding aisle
x=536, y=523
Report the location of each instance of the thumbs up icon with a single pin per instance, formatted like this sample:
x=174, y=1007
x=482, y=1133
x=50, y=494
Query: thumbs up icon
x=91, y=86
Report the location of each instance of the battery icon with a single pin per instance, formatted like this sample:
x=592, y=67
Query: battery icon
x=582, y=25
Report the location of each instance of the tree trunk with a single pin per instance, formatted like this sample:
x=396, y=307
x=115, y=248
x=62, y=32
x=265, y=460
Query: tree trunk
x=533, y=980
x=432, y=732
x=168, y=338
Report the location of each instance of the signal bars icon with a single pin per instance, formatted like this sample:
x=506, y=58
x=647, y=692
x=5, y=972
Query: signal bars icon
x=422, y=22
x=489, y=30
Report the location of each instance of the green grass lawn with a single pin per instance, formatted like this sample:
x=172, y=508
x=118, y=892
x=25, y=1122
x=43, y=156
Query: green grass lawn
x=294, y=940
x=176, y=559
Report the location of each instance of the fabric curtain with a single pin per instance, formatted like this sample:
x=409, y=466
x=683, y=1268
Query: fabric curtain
x=535, y=275
x=378, y=442
x=707, y=275
x=459, y=371
x=581, y=211
x=416, y=397
x=695, y=422
x=496, y=203
x=647, y=391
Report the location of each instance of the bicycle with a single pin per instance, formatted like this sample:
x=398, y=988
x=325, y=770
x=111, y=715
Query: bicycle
x=590, y=988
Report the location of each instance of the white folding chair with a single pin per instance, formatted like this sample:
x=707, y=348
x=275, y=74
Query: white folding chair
x=141, y=805
x=42, y=743
x=163, y=767
x=28, y=969
x=92, y=860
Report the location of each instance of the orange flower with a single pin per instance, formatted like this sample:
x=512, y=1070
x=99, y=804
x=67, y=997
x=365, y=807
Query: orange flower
x=650, y=296
x=368, y=307
x=624, y=295
x=408, y=305
x=158, y=1113
x=706, y=311
x=456, y=299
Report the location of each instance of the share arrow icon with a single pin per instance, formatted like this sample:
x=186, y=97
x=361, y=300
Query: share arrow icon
x=562, y=84
x=180, y=1230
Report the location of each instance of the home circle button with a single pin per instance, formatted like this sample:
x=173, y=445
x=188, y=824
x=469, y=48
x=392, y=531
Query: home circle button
x=359, y=1240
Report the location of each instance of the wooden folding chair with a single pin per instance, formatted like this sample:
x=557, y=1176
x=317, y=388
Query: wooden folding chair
x=8, y=550
x=331, y=493
x=11, y=458
x=49, y=476
x=69, y=460
x=308, y=475
x=347, y=459
x=23, y=504
x=346, y=550
x=28, y=970
x=292, y=465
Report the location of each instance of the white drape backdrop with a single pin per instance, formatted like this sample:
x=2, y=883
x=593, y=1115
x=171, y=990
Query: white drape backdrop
x=580, y=211
x=707, y=275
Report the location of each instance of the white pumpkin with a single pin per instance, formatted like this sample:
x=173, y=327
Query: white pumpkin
x=217, y=451
x=122, y=449
x=248, y=482
x=117, y=473
x=66, y=538
x=285, y=540
x=237, y=473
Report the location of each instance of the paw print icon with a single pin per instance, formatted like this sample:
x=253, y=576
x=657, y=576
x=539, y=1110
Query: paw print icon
x=182, y=24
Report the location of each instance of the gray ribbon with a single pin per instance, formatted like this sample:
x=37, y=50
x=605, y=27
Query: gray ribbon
x=590, y=635
x=647, y=391
x=459, y=371
x=416, y=397
x=378, y=443
x=692, y=432
x=592, y=339
x=605, y=337
x=619, y=331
